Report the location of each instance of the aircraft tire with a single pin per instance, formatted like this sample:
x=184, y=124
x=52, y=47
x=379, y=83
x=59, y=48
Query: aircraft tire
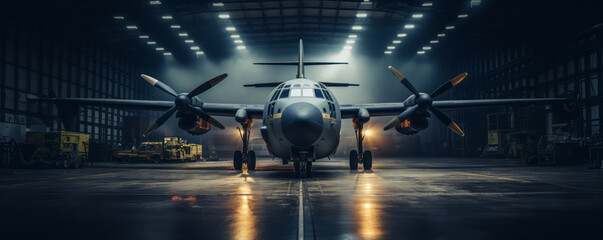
x=309, y=169
x=251, y=160
x=353, y=160
x=238, y=160
x=367, y=160
x=296, y=169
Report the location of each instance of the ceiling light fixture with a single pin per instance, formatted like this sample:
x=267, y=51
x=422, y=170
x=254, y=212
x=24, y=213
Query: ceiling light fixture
x=409, y=26
x=151, y=43
x=189, y=41
x=167, y=17
x=159, y=49
x=155, y=2
x=441, y=34
x=194, y=48
x=175, y=26
x=391, y=47
x=356, y=27
x=224, y=16
x=199, y=53
x=427, y=48
x=241, y=47
x=167, y=54
x=388, y=52
x=235, y=36
x=347, y=47
x=119, y=17
x=238, y=41
x=449, y=27
x=434, y=41
x=143, y=36
x=131, y=27
x=417, y=15
x=217, y=4
x=361, y=15
x=400, y=35
x=352, y=36
x=350, y=41
x=183, y=34
x=420, y=52
x=463, y=15
x=396, y=42
x=230, y=29
x=427, y=4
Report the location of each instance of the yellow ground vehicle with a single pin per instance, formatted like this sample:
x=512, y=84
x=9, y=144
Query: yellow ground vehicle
x=174, y=149
x=192, y=151
x=147, y=151
x=60, y=148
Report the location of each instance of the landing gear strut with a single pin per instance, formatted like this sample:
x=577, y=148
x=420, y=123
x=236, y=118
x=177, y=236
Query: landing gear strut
x=360, y=156
x=302, y=169
x=245, y=156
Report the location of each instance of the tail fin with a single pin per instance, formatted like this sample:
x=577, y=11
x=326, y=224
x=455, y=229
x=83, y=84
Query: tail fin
x=300, y=62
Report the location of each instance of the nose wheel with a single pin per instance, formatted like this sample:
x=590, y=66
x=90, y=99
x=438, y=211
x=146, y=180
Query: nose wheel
x=245, y=156
x=360, y=156
x=302, y=169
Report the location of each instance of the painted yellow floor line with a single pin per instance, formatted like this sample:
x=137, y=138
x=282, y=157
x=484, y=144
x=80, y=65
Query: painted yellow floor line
x=289, y=188
x=69, y=178
x=319, y=187
x=495, y=177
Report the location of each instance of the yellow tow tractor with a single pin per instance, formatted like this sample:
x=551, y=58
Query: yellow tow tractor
x=60, y=148
x=192, y=152
x=147, y=151
x=174, y=149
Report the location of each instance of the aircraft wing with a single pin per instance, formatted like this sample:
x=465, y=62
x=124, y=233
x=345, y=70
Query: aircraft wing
x=216, y=109
x=391, y=109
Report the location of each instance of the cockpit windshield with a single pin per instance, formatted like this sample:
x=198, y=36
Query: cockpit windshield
x=301, y=90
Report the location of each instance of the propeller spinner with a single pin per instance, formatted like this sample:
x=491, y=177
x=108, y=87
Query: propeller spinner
x=183, y=102
x=424, y=102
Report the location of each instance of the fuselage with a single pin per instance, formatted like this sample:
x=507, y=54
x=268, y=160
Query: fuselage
x=301, y=121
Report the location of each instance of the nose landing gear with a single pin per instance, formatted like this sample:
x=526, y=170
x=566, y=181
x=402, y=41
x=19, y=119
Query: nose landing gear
x=360, y=156
x=245, y=156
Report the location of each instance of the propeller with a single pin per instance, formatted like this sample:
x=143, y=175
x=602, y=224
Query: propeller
x=183, y=102
x=423, y=101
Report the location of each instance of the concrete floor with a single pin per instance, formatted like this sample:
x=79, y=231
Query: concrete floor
x=409, y=198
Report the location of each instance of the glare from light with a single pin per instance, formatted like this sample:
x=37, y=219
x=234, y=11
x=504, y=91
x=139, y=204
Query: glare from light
x=167, y=54
x=195, y=48
x=421, y=52
x=434, y=41
x=175, y=26
x=409, y=26
x=119, y=17
x=217, y=4
x=167, y=17
x=235, y=36
x=347, y=47
x=189, y=41
x=199, y=53
x=238, y=41
x=224, y=16
x=352, y=36
x=350, y=41
x=366, y=3
x=449, y=27
x=155, y=2
x=463, y=15
x=417, y=15
x=427, y=4
x=356, y=27
x=441, y=34
x=361, y=15
x=143, y=36
x=367, y=133
x=241, y=47
x=396, y=42
x=400, y=35
x=183, y=34
x=159, y=49
x=427, y=48
x=388, y=52
x=391, y=47
x=230, y=29
x=151, y=43
x=131, y=27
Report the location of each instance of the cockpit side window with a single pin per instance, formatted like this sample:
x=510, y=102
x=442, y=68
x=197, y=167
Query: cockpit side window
x=285, y=93
x=328, y=96
x=275, y=96
x=296, y=85
x=288, y=85
x=318, y=93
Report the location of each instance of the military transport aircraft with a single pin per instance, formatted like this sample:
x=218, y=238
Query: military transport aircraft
x=301, y=119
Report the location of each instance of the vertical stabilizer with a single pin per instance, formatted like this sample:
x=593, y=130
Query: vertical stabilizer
x=300, y=60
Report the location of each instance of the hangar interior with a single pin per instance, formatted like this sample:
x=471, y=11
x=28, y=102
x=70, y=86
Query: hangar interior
x=522, y=153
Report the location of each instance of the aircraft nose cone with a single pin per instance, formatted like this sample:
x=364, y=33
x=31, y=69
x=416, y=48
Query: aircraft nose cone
x=302, y=123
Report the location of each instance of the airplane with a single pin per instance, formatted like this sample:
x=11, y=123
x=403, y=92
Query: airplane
x=301, y=119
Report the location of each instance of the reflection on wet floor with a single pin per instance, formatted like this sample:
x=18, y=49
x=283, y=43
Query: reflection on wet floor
x=243, y=221
x=368, y=210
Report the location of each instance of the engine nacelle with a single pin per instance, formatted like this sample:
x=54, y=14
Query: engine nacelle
x=412, y=125
x=193, y=124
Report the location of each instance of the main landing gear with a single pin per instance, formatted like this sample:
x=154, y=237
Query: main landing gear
x=245, y=156
x=360, y=156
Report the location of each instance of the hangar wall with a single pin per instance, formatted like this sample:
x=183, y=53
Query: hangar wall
x=49, y=59
x=505, y=70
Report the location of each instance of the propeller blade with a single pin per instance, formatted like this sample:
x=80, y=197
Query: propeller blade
x=401, y=117
x=448, y=85
x=207, y=85
x=158, y=84
x=404, y=81
x=447, y=121
x=164, y=117
x=206, y=117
